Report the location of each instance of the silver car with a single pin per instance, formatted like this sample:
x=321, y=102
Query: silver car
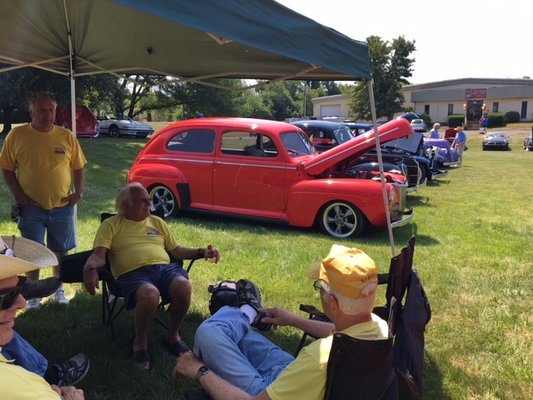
x=419, y=125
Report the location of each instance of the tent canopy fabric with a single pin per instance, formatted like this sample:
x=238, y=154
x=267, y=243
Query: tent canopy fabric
x=189, y=40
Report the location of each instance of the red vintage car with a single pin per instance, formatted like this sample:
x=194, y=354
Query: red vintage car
x=266, y=170
x=86, y=123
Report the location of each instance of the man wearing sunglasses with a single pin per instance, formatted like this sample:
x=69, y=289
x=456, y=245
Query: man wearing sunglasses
x=16, y=380
x=232, y=361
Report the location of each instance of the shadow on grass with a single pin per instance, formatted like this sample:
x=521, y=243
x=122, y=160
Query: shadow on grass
x=433, y=382
x=59, y=332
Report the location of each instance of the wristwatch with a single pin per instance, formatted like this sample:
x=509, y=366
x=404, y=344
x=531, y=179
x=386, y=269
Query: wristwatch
x=203, y=370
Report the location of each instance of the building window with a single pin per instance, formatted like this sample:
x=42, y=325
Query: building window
x=426, y=109
x=523, y=111
x=450, y=109
x=495, y=106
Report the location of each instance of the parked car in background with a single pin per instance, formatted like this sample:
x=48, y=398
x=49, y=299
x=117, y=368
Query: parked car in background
x=325, y=134
x=86, y=123
x=496, y=141
x=358, y=128
x=115, y=127
x=268, y=171
x=419, y=125
x=447, y=156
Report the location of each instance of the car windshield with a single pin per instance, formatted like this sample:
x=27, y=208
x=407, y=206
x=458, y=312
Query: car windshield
x=297, y=144
x=343, y=135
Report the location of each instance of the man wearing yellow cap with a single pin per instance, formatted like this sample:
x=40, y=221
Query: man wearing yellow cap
x=233, y=361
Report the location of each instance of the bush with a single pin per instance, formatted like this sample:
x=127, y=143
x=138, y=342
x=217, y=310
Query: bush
x=427, y=120
x=496, y=120
x=455, y=120
x=512, y=116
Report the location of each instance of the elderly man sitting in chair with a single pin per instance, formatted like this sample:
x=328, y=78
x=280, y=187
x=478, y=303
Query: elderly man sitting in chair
x=138, y=245
x=234, y=362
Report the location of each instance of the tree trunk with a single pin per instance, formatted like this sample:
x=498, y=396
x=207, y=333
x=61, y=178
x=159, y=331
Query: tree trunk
x=7, y=112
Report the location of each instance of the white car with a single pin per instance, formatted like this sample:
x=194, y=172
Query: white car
x=419, y=125
x=124, y=127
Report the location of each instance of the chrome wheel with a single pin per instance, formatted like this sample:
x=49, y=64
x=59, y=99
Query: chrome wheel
x=341, y=220
x=163, y=201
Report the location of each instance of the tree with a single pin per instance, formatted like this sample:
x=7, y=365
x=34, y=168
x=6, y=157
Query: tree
x=391, y=66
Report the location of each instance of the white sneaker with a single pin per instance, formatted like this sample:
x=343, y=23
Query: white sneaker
x=59, y=296
x=34, y=304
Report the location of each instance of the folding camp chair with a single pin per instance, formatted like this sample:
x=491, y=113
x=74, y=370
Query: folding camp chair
x=360, y=369
x=407, y=311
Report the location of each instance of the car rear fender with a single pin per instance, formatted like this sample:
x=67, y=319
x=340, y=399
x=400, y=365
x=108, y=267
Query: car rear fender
x=306, y=198
x=148, y=175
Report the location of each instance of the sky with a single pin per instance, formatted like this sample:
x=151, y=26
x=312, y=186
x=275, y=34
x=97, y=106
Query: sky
x=454, y=39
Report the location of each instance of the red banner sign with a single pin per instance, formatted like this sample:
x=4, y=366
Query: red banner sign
x=475, y=93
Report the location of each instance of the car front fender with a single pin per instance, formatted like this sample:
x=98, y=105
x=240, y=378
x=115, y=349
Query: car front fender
x=306, y=198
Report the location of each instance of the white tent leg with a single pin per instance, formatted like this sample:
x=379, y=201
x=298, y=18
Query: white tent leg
x=380, y=162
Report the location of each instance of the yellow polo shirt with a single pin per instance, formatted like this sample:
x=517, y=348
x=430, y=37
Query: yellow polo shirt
x=43, y=162
x=133, y=244
x=16, y=383
x=305, y=377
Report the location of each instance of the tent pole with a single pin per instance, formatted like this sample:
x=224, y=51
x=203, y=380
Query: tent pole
x=380, y=163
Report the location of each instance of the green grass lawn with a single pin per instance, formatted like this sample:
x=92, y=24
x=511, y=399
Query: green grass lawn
x=474, y=255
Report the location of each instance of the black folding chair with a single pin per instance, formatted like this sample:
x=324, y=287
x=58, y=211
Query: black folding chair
x=407, y=311
x=360, y=369
x=111, y=294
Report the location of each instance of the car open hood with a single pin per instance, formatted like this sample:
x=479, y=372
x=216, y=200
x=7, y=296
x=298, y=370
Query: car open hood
x=359, y=145
x=409, y=144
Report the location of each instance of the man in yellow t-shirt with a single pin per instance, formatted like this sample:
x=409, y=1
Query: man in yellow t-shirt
x=138, y=245
x=40, y=163
x=231, y=360
x=16, y=382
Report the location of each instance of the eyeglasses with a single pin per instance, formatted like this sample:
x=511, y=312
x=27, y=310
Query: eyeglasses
x=9, y=296
x=318, y=285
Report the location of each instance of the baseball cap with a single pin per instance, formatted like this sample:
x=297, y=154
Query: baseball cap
x=348, y=271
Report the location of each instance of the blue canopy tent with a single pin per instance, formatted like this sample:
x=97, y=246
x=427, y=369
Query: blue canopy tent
x=187, y=40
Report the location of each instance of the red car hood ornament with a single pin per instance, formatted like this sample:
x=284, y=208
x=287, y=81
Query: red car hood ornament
x=356, y=147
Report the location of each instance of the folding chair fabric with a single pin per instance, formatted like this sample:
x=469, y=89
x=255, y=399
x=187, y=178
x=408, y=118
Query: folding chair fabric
x=360, y=369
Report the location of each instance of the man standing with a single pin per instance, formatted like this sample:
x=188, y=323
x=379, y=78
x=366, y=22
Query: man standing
x=232, y=361
x=434, y=133
x=41, y=162
x=459, y=143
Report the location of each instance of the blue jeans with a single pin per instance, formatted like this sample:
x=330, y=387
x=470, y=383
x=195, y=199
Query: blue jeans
x=234, y=351
x=58, y=223
x=25, y=355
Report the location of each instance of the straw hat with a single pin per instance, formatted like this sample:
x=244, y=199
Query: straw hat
x=27, y=256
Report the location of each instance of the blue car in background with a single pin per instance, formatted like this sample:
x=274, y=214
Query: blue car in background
x=325, y=134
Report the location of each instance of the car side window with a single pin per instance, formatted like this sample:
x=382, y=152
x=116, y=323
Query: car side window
x=193, y=141
x=251, y=144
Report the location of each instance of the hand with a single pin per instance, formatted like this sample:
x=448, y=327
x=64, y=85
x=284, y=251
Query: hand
x=186, y=366
x=277, y=316
x=212, y=253
x=73, y=199
x=91, y=280
x=23, y=200
x=69, y=392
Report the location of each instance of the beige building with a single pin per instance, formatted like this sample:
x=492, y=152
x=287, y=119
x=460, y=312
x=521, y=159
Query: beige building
x=442, y=98
x=331, y=107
